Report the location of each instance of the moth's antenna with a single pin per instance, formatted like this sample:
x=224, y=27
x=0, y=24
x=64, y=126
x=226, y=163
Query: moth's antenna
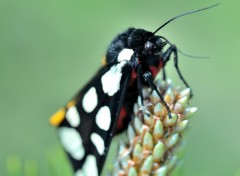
x=193, y=56
x=184, y=14
x=185, y=54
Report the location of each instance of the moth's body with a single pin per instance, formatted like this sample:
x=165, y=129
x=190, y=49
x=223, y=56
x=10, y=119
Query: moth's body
x=114, y=89
x=88, y=122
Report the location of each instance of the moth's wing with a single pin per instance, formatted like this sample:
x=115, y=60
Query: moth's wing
x=87, y=123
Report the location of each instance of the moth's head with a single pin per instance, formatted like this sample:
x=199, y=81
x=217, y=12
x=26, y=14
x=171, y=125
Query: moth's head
x=144, y=42
x=154, y=45
x=146, y=46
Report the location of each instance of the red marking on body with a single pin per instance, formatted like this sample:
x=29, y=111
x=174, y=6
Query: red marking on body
x=133, y=77
x=122, y=116
x=154, y=70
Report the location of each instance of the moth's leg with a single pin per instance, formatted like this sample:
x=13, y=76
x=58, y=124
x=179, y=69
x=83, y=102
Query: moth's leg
x=163, y=73
x=148, y=78
x=166, y=56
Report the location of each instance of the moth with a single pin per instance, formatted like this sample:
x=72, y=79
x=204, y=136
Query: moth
x=87, y=123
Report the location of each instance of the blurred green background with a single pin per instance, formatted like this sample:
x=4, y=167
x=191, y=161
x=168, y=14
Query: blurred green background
x=49, y=49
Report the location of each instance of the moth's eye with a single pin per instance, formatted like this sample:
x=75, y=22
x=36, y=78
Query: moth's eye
x=149, y=46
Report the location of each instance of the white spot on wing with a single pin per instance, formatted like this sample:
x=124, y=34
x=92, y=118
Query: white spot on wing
x=98, y=142
x=73, y=117
x=125, y=54
x=72, y=142
x=103, y=118
x=111, y=79
x=89, y=168
x=90, y=100
x=79, y=173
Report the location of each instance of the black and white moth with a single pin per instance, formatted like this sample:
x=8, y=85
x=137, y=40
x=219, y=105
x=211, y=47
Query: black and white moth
x=87, y=123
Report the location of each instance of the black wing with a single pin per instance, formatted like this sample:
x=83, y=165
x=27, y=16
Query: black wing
x=87, y=123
